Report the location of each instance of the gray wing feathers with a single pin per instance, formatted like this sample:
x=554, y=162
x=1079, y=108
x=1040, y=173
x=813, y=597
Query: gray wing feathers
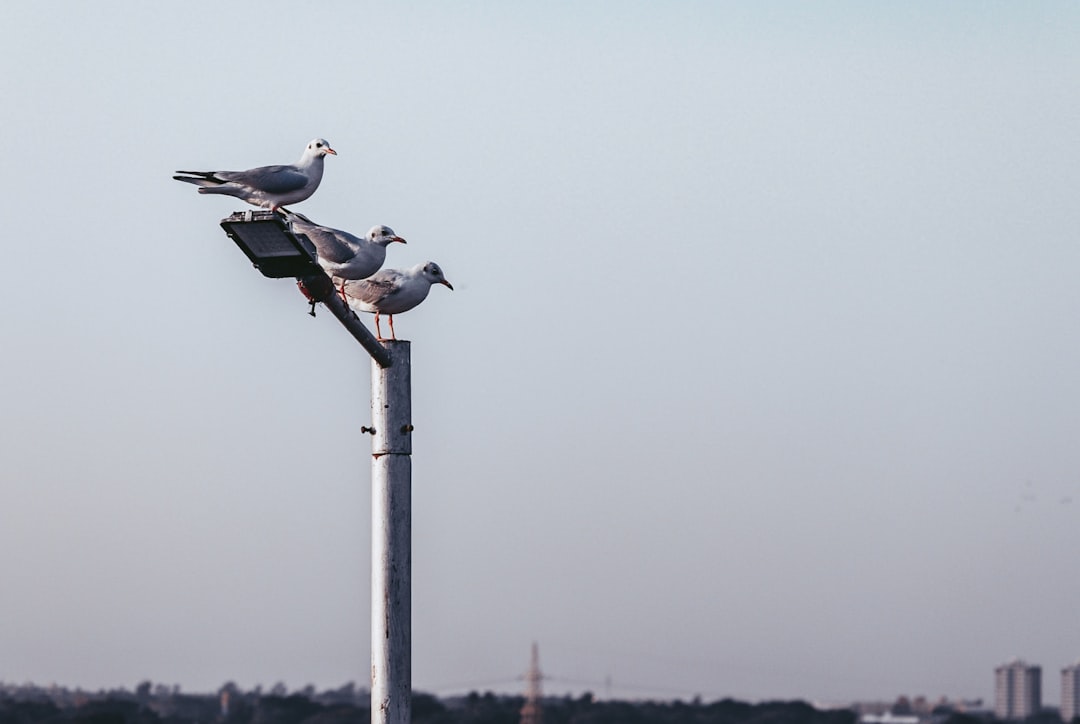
x=268, y=179
x=375, y=289
x=328, y=242
x=271, y=179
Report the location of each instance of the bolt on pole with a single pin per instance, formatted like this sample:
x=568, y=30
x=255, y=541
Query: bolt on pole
x=391, y=537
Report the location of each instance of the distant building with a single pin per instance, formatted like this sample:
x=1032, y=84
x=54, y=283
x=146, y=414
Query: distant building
x=1070, y=692
x=1017, y=690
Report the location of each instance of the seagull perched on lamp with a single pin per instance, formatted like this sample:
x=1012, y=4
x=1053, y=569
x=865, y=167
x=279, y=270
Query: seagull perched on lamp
x=393, y=291
x=344, y=256
x=270, y=187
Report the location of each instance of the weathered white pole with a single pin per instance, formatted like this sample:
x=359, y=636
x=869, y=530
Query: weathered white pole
x=391, y=537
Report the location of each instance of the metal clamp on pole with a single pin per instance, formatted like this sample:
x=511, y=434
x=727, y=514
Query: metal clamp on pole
x=322, y=290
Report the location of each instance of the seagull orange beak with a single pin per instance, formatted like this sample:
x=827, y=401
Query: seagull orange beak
x=331, y=151
x=398, y=238
x=448, y=285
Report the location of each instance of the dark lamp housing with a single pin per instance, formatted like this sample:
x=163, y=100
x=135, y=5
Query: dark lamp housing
x=272, y=247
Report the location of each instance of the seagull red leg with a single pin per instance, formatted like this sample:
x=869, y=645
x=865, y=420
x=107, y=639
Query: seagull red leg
x=378, y=332
x=393, y=335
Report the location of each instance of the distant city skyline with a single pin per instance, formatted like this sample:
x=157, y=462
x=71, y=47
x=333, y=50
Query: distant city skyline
x=1017, y=692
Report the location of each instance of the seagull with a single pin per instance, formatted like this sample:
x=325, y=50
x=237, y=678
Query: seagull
x=393, y=291
x=268, y=186
x=344, y=256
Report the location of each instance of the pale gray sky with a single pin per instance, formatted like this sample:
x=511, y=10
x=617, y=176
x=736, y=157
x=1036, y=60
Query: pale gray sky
x=761, y=377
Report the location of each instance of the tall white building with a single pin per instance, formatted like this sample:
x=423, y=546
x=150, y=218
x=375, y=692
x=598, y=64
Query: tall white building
x=1070, y=692
x=1017, y=690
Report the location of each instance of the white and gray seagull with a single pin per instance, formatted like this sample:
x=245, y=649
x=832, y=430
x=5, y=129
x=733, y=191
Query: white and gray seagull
x=268, y=186
x=393, y=291
x=344, y=256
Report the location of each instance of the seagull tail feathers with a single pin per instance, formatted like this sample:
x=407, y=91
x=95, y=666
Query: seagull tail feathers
x=204, y=179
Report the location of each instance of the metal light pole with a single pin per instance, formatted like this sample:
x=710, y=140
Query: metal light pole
x=277, y=252
x=391, y=512
x=391, y=538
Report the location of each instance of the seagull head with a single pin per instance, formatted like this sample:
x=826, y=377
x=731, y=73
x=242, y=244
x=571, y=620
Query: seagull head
x=434, y=274
x=319, y=147
x=383, y=235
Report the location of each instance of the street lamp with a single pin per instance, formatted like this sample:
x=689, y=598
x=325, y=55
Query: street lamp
x=268, y=240
x=270, y=243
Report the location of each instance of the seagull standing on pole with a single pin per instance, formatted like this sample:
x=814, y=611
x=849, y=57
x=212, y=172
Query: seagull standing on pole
x=344, y=256
x=393, y=291
x=270, y=187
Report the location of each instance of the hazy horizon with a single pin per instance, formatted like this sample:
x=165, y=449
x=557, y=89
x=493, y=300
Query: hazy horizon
x=760, y=377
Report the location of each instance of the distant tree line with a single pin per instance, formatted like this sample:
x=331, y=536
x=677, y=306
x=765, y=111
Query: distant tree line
x=161, y=705
x=489, y=709
x=348, y=705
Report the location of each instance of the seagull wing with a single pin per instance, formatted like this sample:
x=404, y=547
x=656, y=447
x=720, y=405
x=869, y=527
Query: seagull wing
x=376, y=289
x=332, y=245
x=269, y=179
